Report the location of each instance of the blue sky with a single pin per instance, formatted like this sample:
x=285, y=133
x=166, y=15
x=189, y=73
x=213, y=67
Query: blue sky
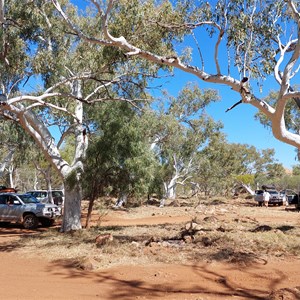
x=239, y=123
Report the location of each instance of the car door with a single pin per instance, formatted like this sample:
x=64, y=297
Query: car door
x=7, y=208
x=3, y=207
x=13, y=208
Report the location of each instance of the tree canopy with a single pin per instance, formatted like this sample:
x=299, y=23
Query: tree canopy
x=259, y=37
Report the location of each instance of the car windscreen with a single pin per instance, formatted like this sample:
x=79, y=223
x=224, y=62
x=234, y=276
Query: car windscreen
x=39, y=194
x=28, y=199
x=57, y=194
x=273, y=192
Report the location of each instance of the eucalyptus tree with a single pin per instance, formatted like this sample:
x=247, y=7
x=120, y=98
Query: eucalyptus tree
x=48, y=76
x=119, y=161
x=251, y=40
x=296, y=170
x=221, y=165
x=14, y=145
x=33, y=51
x=181, y=126
x=42, y=87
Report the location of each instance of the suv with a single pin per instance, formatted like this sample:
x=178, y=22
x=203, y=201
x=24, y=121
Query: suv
x=291, y=196
x=275, y=197
x=43, y=196
x=26, y=209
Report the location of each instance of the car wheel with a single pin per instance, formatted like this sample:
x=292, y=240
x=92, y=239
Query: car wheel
x=47, y=222
x=30, y=221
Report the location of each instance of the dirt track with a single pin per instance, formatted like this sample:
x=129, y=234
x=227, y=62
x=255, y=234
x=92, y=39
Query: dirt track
x=28, y=278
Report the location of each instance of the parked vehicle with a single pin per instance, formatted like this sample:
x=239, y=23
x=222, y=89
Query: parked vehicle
x=26, y=209
x=291, y=196
x=275, y=197
x=44, y=196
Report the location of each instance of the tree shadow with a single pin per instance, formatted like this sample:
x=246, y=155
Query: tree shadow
x=285, y=228
x=262, y=228
x=237, y=257
x=205, y=282
x=11, y=235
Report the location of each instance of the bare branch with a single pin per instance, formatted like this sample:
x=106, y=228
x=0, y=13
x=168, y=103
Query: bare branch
x=199, y=50
x=77, y=30
x=65, y=134
x=282, y=49
x=234, y=105
x=217, y=51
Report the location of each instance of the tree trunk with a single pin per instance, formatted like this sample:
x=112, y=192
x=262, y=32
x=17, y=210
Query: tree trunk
x=11, y=177
x=91, y=204
x=171, y=192
x=171, y=188
x=47, y=175
x=72, y=208
x=6, y=162
x=89, y=213
x=122, y=199
x=248, y=189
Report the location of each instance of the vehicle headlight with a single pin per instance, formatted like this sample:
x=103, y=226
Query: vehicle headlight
x=47, y=210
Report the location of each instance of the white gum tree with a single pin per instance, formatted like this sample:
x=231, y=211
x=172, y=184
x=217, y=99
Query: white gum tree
x=39, y=90
x=70, y=172
x=259, y=39
x=48, y=75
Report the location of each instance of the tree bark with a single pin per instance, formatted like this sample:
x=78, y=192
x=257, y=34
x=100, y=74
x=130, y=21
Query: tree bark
x=89, y=213
x=72, y=208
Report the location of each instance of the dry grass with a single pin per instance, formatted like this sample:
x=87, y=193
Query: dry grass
x=228, y=230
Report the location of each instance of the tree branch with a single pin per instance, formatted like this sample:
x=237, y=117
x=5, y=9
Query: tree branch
x=234, y=105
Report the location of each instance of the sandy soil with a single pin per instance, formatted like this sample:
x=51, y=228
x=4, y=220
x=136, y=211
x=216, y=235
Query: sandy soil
x=22, y=277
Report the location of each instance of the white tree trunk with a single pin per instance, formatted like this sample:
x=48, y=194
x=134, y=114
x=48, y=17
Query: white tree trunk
x=11, y=176
x=49, y=184
x=122, y=199
x=72, y=204
x=171, y=188
x=72, y=208
x=35, y=184
x=248, y=189
x=6, y=162
x=170, y=191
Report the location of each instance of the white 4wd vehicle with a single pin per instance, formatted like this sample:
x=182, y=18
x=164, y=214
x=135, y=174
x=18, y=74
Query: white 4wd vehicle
x=275, y=197
x=26, y=209
x=44, y=196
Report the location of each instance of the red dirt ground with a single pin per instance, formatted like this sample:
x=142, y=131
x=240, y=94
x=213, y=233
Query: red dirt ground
x=27, y=278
